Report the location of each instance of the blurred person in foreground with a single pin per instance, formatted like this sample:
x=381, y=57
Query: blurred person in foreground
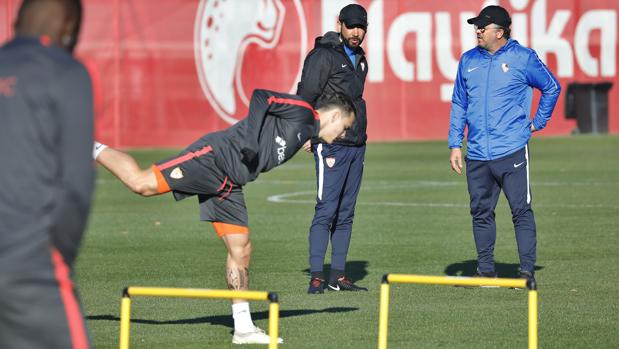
x=46, y=133
x=492, y=98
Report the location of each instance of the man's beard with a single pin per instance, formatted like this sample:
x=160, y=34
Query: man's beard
x=350, y=44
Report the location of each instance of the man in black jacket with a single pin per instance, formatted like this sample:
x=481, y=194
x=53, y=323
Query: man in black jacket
x=47, y=177
x=337, y=64
x=219, y=164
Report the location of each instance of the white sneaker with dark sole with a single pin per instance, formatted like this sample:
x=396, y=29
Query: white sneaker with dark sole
x=257, y=336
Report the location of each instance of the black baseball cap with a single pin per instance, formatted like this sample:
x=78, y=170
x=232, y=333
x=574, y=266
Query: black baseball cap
x=491, y=14
x=354, y=15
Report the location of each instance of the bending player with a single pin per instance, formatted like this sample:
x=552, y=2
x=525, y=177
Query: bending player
x=217, y=165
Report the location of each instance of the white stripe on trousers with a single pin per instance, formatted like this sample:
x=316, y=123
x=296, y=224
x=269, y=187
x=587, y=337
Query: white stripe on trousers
x=526, y=157
x=321, y=170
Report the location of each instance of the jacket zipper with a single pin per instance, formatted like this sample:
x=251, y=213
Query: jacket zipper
x=354, y=69
x=486, y=109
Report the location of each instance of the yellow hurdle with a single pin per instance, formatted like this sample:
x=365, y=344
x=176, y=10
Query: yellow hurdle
x=125, y=305
x=383, y=320
x=533, y=318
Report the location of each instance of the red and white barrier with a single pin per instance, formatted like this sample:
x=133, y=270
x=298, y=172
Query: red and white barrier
x=168, y=71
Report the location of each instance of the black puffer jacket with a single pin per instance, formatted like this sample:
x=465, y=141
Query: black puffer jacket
x=327, y=69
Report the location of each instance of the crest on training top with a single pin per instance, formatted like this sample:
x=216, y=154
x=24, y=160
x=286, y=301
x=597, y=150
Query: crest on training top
x=330, y=162
x=505, y=67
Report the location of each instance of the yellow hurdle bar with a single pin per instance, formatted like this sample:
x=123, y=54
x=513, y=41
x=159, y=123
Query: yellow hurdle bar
x=273, y=323
x=125, y=316
x=125, y=306
x=533, y=319
x=455, y=281
x=383, y=319
x=196, y=293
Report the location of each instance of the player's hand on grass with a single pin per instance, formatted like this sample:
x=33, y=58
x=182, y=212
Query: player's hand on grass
x=456, y=160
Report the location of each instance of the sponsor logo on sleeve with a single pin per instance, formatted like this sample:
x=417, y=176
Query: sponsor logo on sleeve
x=281, y=150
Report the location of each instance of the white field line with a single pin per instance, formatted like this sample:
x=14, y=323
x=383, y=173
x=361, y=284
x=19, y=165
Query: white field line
x=405, y=184
x=286, y=198
x=291, y=197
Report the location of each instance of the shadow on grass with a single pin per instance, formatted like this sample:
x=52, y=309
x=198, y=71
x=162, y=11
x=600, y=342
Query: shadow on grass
x=469, y=268
x=355, y=270
x=224, y=320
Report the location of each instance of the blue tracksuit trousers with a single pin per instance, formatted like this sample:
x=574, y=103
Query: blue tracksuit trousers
x=339, y=170
x=485, y=181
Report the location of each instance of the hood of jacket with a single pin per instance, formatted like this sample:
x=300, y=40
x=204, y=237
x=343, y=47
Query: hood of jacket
x=330, y=39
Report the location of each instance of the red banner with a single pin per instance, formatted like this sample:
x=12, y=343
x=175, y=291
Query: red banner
x=166, y=72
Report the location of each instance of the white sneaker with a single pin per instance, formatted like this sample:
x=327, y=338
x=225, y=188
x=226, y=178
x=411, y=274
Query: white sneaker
x=257, y=336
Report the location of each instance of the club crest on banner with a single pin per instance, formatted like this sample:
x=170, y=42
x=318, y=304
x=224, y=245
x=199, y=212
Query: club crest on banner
x=241, y=47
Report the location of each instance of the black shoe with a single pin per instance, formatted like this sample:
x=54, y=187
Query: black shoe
x=483, y=274
x=343, y=284
x=316, y=286
x=528, y=275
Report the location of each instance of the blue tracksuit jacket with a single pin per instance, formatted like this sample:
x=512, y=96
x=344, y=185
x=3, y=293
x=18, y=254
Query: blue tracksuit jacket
x=492, y=97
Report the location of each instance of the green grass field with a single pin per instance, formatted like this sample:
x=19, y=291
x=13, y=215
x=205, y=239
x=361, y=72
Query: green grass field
x=411, y=217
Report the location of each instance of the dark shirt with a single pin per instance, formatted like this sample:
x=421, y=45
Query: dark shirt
x=276, y=127
x=46, y=137
x=328, y=69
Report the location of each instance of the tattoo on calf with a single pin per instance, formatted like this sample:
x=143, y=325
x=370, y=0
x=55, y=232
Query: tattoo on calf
x=237, y=278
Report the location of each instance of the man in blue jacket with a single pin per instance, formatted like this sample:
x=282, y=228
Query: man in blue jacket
x=492, y=97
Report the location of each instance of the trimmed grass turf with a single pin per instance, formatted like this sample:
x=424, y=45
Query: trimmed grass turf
x=411, y=217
